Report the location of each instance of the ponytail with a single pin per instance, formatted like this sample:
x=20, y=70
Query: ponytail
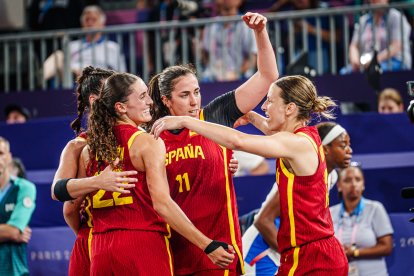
x=158, y=109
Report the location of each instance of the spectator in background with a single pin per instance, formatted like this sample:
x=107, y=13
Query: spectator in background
x=17, y=202
x=229, y=49
x=309, y=24
x=250, y=164
x=54, y=14
x=382, y=31
x=390, y=101
x=17, y=168
x=16, y=114
x=361, y=225
x=94, y=49
x=171, y=40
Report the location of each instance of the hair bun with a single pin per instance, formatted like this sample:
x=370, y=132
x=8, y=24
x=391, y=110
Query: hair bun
x=88, y=70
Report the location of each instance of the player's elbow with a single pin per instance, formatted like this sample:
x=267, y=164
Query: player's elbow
x=52, y=192
x=69, y=212
x=262, y=222
x=235, y=142
x=273, y=76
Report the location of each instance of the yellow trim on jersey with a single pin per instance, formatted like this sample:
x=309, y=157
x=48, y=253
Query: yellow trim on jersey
x=226, y=272
x=88, y=211
x=202, y=115
x=295, y=261
x=168, y=230
x=90, y=244
x=321, y=153
x=192, y=133
x=309, y=138
x=291, y=178
x=230, y=212
x=132, y=138
x=80, y=139
x=167, y=243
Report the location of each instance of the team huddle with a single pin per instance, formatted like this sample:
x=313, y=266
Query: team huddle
x=148, y=186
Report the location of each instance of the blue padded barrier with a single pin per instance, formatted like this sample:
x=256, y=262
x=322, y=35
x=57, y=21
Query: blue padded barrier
x=349, y=88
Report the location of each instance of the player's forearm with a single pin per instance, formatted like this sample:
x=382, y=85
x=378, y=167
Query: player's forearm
x=176, y=218
x=9, y=233
x=267, y=229
x=71, y=213
x=266, y=59
x=259, y=122
x=224, y=136
x=83, y=186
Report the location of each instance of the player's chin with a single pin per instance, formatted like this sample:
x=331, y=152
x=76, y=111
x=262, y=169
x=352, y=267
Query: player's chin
x=146, y=118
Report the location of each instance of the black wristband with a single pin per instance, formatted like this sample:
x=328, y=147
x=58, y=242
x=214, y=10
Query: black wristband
x=61, y=191
x=214, y=245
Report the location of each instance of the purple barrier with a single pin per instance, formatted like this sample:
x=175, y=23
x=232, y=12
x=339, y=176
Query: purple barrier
x=400, y=261
x=49, y=249
x=349, y=88
x=38, y=142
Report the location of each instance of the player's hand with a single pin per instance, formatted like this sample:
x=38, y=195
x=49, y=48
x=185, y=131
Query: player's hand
x=167, y=122
x=254, y=21
x=242, y=121
x=222, y=257
x=233, y=165
x=25, y=235
x=116, y=181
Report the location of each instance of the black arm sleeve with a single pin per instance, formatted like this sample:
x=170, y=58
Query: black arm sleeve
x=223, y=110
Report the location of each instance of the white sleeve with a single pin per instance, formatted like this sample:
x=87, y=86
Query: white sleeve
x=381, y=221
x=247, y=161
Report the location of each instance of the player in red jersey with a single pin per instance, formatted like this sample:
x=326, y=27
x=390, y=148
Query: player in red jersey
x=338, y=153
x=196, y=167
x=305, y=238
x=130, y=234
x=89, y=85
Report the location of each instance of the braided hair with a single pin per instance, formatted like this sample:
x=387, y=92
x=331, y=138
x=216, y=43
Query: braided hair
x=89, y=82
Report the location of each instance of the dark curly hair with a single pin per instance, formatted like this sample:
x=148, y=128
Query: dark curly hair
x=89, y=82
x=103, y=116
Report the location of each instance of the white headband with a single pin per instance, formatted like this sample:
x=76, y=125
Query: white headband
x=332, y=134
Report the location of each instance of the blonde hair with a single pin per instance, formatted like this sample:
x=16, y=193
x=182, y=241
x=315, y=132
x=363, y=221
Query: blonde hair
x=390, y=94
x=302, y=92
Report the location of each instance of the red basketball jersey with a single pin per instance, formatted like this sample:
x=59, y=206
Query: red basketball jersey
x=304, y=201
x=201, y=184
x=82, y=135
x=134, y=211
